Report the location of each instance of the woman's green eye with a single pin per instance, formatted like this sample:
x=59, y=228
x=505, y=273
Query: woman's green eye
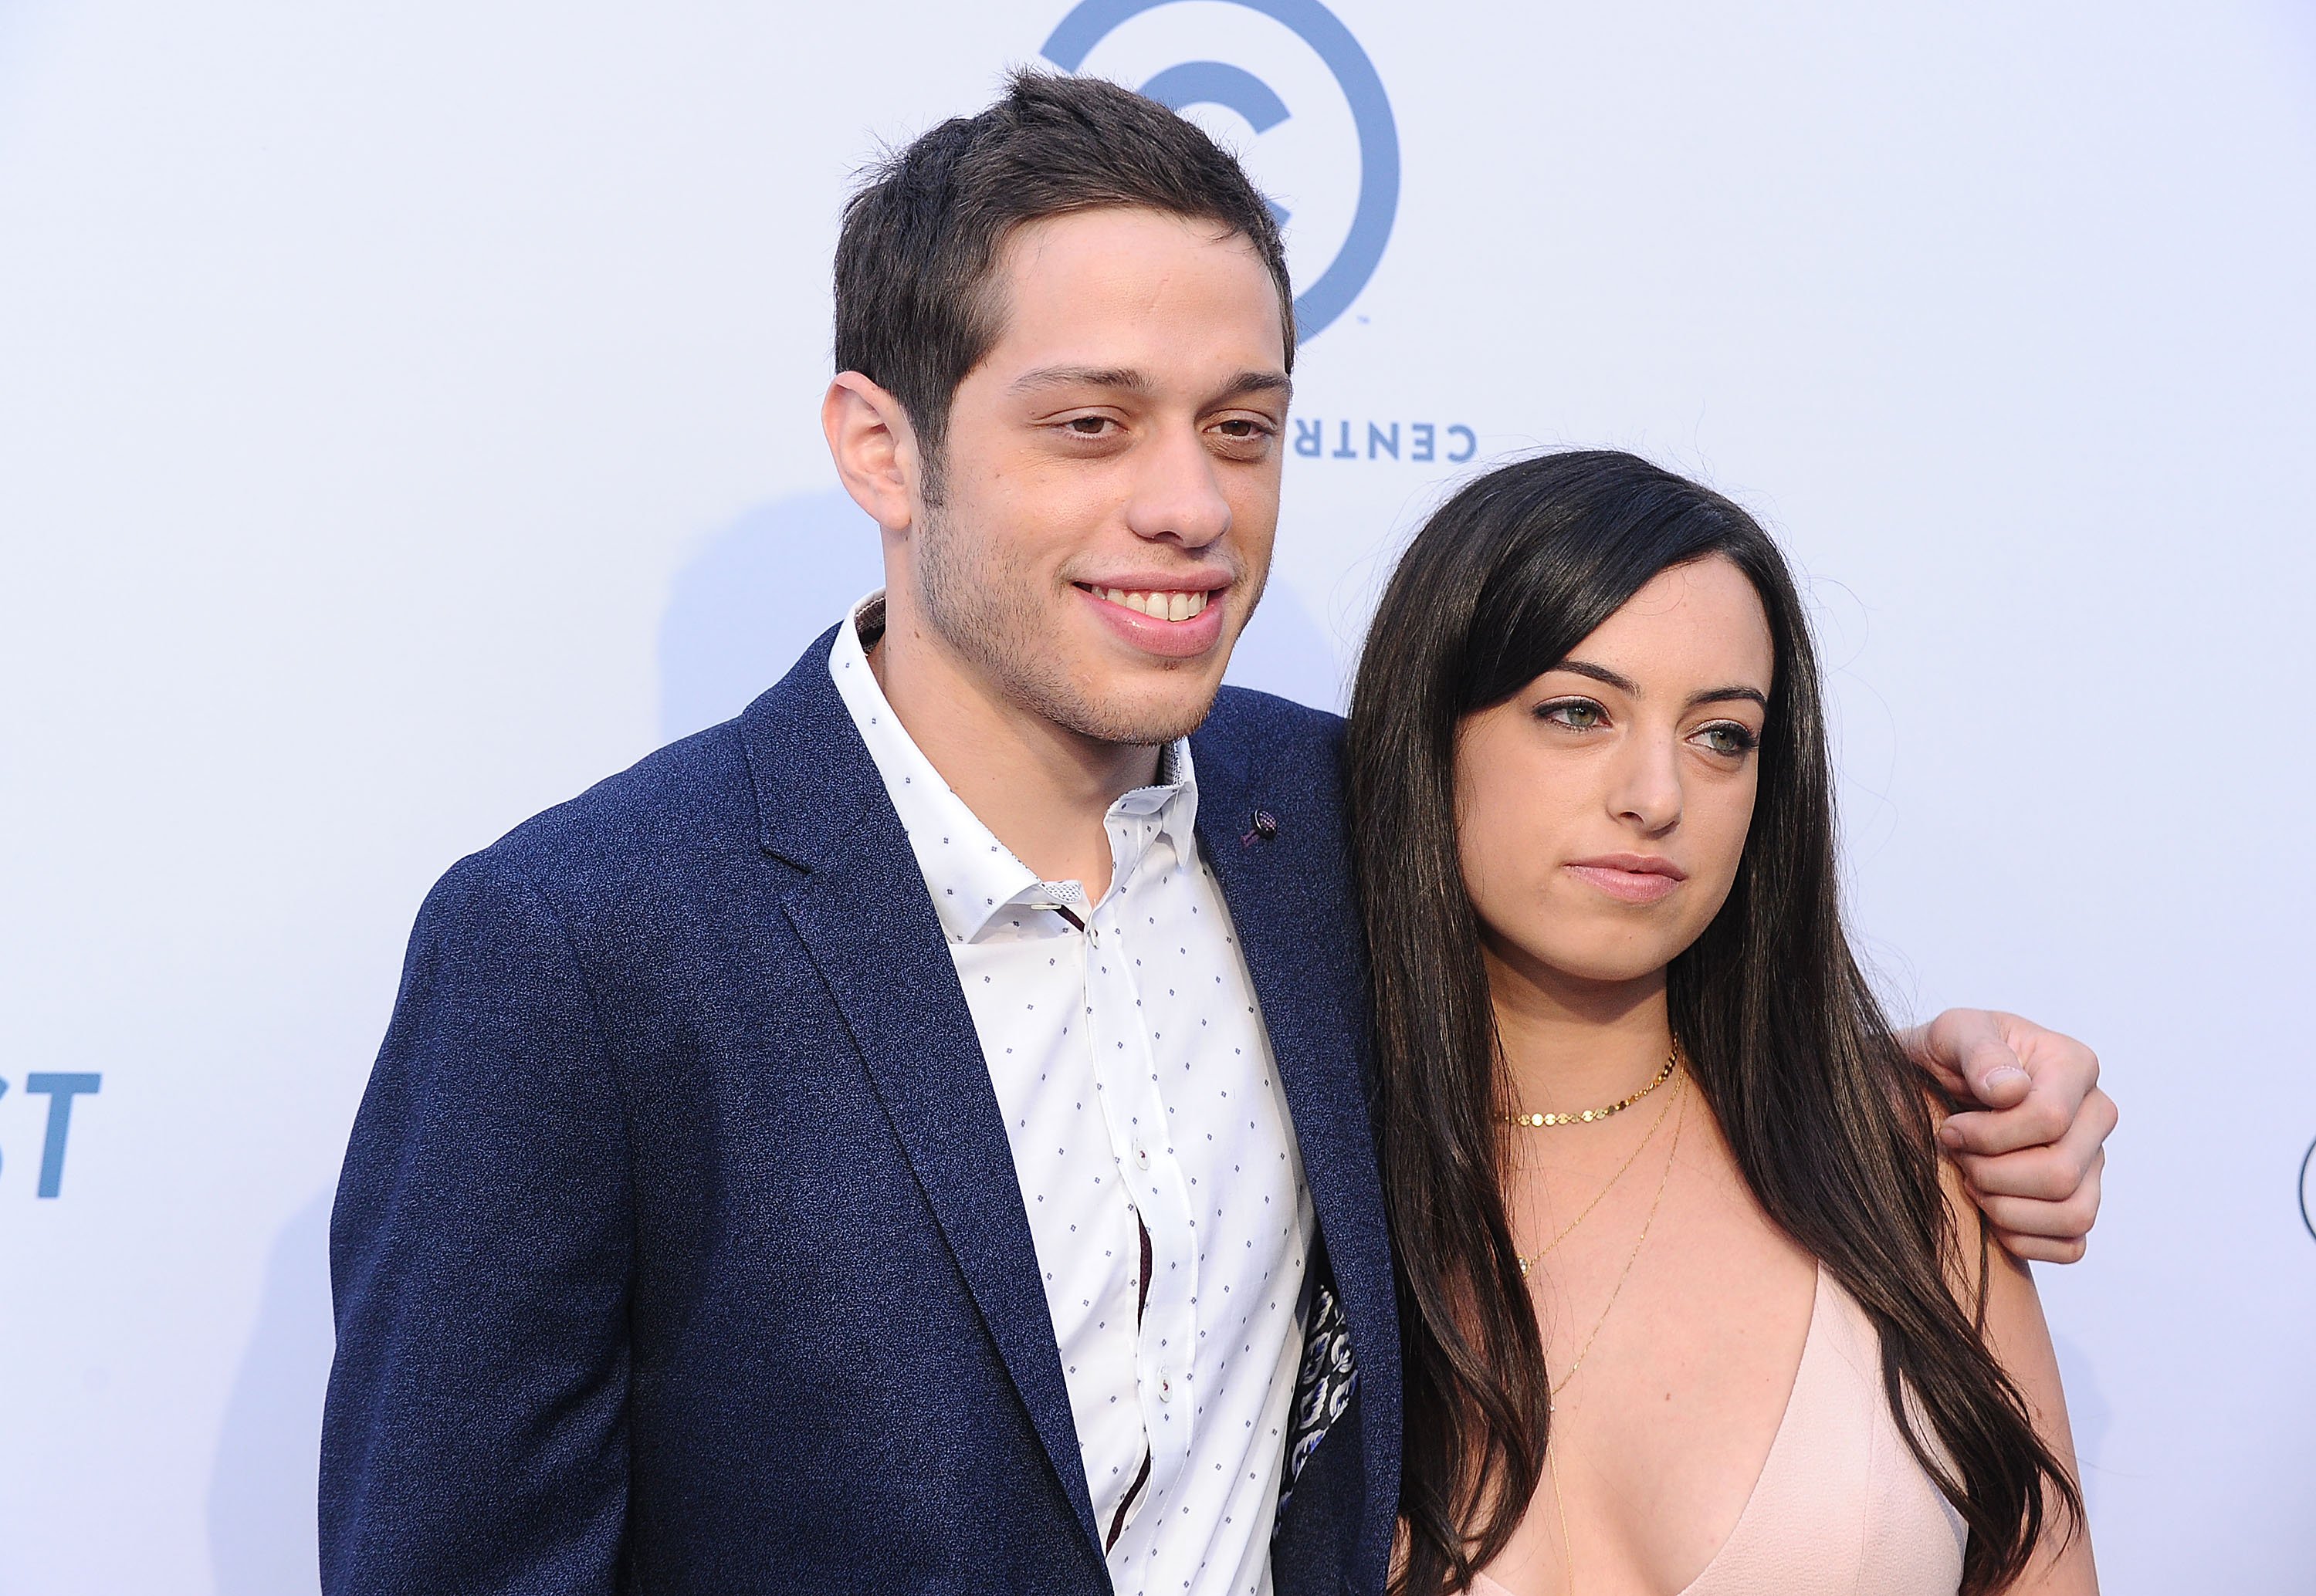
x=1578, y=716
x=1729, y=739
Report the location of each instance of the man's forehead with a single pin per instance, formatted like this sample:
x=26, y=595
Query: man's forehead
x=1133, y=290
x=1093, y=229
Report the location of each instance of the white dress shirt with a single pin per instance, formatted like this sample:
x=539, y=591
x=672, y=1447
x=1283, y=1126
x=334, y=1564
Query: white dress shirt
x=1139, y=1092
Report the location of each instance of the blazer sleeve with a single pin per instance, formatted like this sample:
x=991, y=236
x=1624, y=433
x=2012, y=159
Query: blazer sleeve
x=475, y=1437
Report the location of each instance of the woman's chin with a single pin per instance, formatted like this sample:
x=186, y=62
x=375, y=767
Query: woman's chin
x=1597, y=971
x=1615, y=975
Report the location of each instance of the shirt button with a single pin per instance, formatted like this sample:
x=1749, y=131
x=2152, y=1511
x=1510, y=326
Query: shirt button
x=1141, y=1156
x=1093, y=935
x=1165, y=1386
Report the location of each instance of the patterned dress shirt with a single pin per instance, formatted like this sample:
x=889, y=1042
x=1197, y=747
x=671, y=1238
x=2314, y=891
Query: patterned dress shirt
x=1152, y=1144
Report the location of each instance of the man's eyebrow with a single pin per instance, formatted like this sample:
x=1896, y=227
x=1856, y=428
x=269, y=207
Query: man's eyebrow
x=1128, y=380
x=1258, y=382
x=1081, y=376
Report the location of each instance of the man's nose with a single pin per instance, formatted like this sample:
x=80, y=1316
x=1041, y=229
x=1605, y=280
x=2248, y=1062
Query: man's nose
x=1178, y=495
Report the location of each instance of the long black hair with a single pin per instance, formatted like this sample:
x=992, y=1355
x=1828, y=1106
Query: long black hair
x=1829, y=1122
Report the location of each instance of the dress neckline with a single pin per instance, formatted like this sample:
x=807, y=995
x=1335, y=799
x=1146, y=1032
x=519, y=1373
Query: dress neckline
x=1813, y=1345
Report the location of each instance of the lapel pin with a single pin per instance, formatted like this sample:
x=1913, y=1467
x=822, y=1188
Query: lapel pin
x=1266, y=827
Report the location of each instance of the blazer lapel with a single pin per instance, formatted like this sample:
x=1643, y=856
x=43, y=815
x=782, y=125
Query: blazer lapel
x=1289, y=891
x=862, y=912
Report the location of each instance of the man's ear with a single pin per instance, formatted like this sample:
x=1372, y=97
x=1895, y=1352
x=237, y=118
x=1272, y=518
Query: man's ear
x=875, y=449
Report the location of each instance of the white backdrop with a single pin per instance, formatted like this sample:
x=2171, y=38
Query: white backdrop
x=407, y=417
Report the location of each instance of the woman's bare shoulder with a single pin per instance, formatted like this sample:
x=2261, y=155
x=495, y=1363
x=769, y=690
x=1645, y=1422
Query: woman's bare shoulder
x=1998, y=1290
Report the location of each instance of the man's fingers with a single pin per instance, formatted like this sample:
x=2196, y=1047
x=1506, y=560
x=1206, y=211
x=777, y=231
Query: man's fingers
x=2063, y=1069
x=2039, y=1175
x=2042, y=1249
x=1996, y=1065
x=1996, y=1077
x=1945, y=1046
x=2045, y=1173
x=2046, y=1117
x=2032, y=1165
x=1989, y=1133
x=2069, y=1220
x=2066, y=1220
x=2036, y=1176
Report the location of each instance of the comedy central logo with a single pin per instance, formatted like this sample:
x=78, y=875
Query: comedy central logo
x=1233, y=87
x=2308, y=1189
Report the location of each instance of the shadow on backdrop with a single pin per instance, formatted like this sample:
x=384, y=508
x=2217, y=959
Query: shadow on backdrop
x=754, y=595
x=262, y=1536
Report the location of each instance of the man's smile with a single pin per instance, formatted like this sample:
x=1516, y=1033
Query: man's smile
x=1158, y=604
x=1176, y=620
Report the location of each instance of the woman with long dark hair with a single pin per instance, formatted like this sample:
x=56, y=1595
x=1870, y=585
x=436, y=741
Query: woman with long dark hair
x=1689, y=1303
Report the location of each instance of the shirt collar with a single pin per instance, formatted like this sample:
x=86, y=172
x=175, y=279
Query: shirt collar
x=970, y=874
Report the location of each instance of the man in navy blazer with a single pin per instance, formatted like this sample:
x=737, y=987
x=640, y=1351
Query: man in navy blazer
x=686, y=1240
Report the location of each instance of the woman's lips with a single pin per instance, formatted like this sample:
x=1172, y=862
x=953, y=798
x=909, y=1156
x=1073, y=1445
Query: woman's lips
x=1629, y=878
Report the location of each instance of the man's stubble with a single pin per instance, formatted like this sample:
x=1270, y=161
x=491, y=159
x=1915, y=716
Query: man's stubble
x=987, y=612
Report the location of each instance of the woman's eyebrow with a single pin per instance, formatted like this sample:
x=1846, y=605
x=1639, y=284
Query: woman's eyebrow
x=1626, y=684
x=1729, y=696
x=1601, y=674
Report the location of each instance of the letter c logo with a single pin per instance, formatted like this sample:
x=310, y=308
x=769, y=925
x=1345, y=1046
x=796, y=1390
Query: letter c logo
x=1235, y=89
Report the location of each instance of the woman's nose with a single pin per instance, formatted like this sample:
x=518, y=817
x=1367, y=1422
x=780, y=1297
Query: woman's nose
x=1647, y=785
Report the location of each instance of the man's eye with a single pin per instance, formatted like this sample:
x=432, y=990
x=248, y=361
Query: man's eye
x=1088, y=426
x=1240, y=427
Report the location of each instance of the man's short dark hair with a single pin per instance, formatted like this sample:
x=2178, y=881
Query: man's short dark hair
x=914, y=310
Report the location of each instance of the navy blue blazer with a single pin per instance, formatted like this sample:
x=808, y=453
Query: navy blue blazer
x=678, y=1247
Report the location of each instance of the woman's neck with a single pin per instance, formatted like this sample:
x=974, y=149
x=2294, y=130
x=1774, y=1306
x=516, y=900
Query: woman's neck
x=1573, y=1044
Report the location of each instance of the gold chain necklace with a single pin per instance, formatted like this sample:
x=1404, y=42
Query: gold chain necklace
x=1527, y=1261
x=1553, y=1448
x=1591, y=1115
x=1567, y=1547
x=1672, y=1154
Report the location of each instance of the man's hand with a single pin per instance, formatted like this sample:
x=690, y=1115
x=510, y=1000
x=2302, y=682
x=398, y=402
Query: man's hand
x=2032, y=1156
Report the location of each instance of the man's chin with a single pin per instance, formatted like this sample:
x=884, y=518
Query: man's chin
x=1141, y=714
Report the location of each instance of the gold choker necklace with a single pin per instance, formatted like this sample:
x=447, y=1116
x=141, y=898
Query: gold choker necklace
x=1541, y=1120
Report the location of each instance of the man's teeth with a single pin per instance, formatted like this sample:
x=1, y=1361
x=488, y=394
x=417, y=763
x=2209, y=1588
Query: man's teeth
x=1158, y=607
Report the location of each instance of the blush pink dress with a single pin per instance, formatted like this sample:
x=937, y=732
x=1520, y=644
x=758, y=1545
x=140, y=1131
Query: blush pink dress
x=1841, y=1508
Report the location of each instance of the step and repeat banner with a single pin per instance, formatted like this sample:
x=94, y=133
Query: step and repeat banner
x=408, y=416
